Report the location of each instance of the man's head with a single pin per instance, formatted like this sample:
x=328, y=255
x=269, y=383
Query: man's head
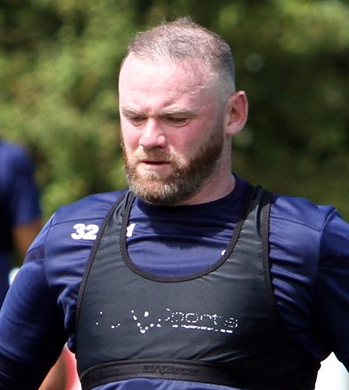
x=178, y=110
x=183, y=40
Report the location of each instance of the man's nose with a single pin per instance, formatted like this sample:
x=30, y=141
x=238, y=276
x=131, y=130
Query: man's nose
x=152, y=135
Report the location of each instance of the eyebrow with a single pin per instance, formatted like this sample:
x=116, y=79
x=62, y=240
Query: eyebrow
x=128, y=110
x=179, y=111
x=165, y=112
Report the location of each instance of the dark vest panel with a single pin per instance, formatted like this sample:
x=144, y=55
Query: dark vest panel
x=219, y=326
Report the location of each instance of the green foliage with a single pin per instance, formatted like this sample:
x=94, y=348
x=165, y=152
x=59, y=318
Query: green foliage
x=59, y=95
x=58, y=74
x=292, y=59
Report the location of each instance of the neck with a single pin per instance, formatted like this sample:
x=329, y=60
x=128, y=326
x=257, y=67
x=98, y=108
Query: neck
x=214, y=190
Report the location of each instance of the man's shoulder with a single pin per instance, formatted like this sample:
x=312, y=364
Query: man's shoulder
x=94, y=206
x=76, y=221
x=13, y=152
x=14, y=160
x=300, y=211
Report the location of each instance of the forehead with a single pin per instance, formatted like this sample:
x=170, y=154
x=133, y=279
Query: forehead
x=140, y=76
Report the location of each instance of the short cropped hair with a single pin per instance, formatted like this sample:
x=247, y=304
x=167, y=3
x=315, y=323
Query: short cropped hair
x=183, y=40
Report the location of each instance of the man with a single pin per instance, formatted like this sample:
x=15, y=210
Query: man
x=193, y=279
x=20, y=214
x=20, y=222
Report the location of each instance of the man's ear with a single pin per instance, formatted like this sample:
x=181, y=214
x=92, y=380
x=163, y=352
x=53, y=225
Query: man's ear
x=236, y=113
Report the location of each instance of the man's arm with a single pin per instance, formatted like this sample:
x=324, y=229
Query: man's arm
x=23, y=235
x=57, y=377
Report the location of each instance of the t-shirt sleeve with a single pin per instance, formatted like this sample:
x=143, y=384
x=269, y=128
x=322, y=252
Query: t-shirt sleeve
x=31, y=330
x=309, y=251
x=331, y=297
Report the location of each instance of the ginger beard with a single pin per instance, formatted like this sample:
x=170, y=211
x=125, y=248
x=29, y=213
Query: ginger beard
x=185, y=179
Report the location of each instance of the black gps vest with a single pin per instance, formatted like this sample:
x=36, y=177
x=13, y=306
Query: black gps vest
x=219, y=326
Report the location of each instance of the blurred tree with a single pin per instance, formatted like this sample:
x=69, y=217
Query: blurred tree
x=59, y=94
x=292, y=58
x=58, y=74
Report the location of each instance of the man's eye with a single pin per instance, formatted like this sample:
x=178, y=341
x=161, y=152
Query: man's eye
x=177, y=121
x=136, y=119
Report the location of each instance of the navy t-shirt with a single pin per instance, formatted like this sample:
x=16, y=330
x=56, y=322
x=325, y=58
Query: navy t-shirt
x=309, y=256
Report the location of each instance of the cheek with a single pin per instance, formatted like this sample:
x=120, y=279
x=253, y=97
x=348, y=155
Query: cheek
x=130, y=138
x=182, y=152
x=192, y=139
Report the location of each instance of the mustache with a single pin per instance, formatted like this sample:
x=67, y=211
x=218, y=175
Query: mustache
x=154, y=155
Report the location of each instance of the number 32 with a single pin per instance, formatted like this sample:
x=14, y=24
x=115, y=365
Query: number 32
x=85, y=232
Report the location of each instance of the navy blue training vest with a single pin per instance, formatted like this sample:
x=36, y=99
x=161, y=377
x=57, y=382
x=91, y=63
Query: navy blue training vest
x=219, y=326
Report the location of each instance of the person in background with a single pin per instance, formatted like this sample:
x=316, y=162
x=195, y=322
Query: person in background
x=20, y=213
x=193, y=278
x=20, y=222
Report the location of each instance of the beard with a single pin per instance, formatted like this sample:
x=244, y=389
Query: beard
x=185, y=179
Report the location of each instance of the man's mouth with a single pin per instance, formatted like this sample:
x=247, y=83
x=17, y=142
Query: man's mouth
x=153, y=164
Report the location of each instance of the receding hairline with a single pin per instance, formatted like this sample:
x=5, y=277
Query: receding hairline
x=182, y=41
